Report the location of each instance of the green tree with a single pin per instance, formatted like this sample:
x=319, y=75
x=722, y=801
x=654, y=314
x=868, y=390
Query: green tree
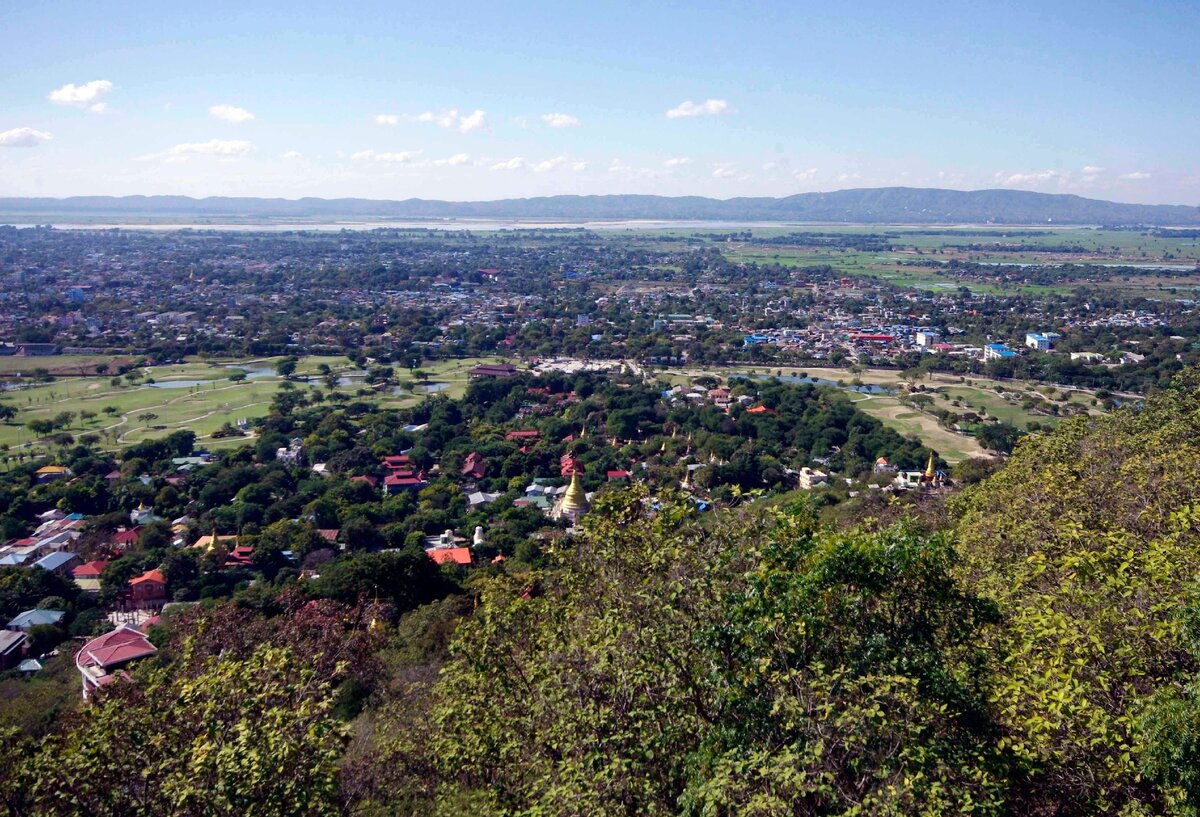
x=269, y=749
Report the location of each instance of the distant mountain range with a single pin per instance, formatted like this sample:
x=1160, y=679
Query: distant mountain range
x=882, y=205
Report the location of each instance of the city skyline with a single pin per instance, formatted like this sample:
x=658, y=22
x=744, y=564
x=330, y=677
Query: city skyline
x=476, y=102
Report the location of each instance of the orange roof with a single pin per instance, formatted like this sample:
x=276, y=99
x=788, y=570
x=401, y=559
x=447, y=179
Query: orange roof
x=459, y=556
x=90, y=570
x=155, y=575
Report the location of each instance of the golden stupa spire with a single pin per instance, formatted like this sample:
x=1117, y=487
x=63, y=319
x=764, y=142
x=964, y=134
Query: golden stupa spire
x=575, y=498
x=930, y=473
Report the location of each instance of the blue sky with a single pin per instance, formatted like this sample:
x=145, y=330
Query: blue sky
x=486, y=100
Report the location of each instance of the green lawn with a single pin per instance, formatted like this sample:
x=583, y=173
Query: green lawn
x=203, y=400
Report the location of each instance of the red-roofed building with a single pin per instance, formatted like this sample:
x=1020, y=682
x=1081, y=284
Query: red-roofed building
x=149, y=589
x=240, y=556
x=395, y=483
x=101, y=655
x=397, y=461
x=618, y=476
x=87, y=576
x=329, y=534
x=475, y=466
x=569, y=466
x=523, y=436
x=367, y=478
x=125, y=539
x=458, y=556
x=872, y=338
x=762, y=410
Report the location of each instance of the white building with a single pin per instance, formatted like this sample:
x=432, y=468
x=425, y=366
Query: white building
x=928, y=339
x=1042, y=341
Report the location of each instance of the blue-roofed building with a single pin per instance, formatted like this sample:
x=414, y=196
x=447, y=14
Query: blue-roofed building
x=13, y=559
x=60, y=562
x=997, y=351
x=34, y=618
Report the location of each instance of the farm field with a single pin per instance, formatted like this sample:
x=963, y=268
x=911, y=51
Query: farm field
x=198, y=395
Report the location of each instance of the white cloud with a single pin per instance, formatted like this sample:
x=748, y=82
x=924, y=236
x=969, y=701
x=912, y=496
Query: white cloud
x=453, y=161
x=849, y=177
x=463, y=123
x=515, y=163
x=88, y=95
x=230, y=113
x=396, y=158
x=1092, y=170
x=471, y=122
x=560, y=120
x=1034, y=177
x=387, y=119
x=678, y=161
x=213, y=147
x=23, y=138
x=443, y=119
x=709, y=107
x=291, y=154
x=805, y=175
x=723, y=170
x=579, y=166
x=1137, y=175
x=550, y=164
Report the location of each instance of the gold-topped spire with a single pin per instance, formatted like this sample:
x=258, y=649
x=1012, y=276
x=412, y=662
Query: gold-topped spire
x=575, y=499
x=930, y=472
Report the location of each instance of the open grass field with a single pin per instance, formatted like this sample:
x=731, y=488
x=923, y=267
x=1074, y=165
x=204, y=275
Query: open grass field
x=906, y=420
x=198, y=395
x=972, y=393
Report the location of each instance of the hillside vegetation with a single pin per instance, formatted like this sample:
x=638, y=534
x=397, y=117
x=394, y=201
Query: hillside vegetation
x=1037, y=656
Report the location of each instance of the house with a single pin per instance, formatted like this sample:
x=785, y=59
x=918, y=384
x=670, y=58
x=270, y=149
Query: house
x=809, y=478
x=997, y=351
x=457, y=556
x=475, y=466
x=500, y=370
x=100, y=656
x=240, y=556
x=51, y=473
x=87, y=576
x=402, y=481
x=34, y=618
x=61, y=562
x=523, y=436
x=619, y=476
x=477, y=499
x=366, y=479
x=125, y=539
x=13, y=644
x=148, y=589
x=1041, y=341
x=927, y=339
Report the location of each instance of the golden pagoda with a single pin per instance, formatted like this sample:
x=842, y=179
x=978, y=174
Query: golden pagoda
x=574, y=503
